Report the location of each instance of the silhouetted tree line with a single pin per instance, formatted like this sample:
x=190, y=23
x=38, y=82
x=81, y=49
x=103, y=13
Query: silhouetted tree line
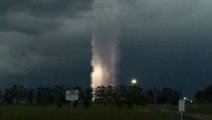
x=204, y=96
x=43, y=96
x=120, y=96
x=164, y=96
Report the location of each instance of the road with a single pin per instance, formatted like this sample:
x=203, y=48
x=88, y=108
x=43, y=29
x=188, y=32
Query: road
x=198, y=116
x=189, y=116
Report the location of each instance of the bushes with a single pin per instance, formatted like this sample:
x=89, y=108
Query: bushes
x=120, y=96
x=204, y=96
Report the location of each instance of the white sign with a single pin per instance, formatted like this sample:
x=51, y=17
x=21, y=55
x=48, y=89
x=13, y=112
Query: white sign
x=181, y=105
x=72, y=95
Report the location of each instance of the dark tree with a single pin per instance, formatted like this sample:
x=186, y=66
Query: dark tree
x=87, y=97
x=205, y=95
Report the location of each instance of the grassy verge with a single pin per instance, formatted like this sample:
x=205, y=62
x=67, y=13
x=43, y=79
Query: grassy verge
x=204, y=109
x=93, y=113
x=195, y=108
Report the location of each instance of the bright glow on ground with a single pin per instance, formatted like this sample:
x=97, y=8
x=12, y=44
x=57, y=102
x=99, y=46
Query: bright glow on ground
x=97, y=76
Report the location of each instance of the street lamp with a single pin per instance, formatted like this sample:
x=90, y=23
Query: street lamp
x=133, y=81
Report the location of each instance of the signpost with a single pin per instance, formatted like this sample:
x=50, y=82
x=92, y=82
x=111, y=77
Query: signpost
x=72, y=95
x=181, y=107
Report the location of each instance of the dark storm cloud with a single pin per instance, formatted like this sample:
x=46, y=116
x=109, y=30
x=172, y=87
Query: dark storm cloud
x=27, y=24
x=21, y=51
x=47, y=33
x=53, y=58
x=38, y=16
x=163, y=42
x=168, y=42
x=45, y=7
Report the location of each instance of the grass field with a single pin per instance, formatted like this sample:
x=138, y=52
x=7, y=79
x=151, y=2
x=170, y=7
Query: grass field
x=92, y=113
x=205, y=109
x=195, y=108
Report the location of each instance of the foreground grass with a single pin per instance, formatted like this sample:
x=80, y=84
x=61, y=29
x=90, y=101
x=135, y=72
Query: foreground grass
x=204, y=109
x=93, y=113
x=194, y=108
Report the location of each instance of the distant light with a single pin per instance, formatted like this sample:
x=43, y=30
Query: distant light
x=185, y=98
x=134, y=81
x=191, y=101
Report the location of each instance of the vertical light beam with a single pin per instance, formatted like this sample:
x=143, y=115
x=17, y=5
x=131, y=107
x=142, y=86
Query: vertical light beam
x=105, y=43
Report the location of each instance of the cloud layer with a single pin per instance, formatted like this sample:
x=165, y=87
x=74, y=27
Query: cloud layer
x=163, y=42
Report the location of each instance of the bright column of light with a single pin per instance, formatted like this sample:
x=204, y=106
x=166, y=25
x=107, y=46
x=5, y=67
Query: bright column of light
x=97, y=76
x=105, y=47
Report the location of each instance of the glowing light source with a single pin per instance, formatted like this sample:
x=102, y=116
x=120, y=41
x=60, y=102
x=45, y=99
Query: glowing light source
x=105, y=43
x=97, y=75
x=134, y=81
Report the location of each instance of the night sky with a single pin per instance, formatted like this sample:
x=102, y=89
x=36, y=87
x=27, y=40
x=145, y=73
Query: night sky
x=163, y=43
